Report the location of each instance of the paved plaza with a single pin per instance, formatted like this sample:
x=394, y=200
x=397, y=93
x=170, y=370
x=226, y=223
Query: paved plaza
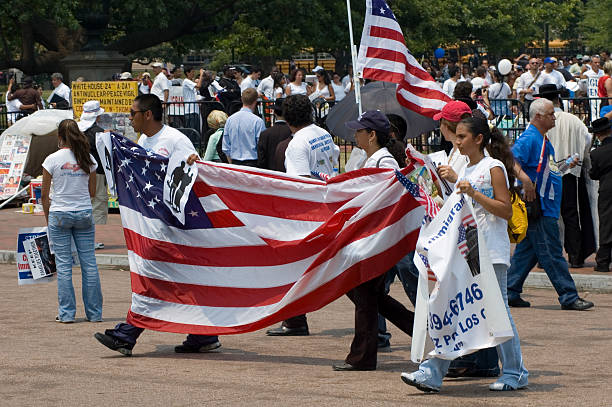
x=49, y=364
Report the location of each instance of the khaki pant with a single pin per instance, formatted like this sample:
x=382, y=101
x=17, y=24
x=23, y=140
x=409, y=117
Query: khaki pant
x=100, y=201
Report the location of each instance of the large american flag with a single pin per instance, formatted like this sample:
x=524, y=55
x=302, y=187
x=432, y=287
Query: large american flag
x=257, y=246
x=383, y=56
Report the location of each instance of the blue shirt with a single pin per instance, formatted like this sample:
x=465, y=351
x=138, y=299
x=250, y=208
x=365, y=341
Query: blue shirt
x=527, y=149
x=241, y=134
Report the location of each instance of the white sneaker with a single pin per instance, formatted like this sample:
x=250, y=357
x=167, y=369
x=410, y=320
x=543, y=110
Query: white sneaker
x=98, y=246
x=417, y=380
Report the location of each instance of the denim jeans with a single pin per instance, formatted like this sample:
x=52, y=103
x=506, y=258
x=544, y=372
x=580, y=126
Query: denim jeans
x=542, y=244
x=78, y=225
x=514, y=373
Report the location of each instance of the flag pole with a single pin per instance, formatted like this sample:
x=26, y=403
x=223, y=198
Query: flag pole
x=354, y=58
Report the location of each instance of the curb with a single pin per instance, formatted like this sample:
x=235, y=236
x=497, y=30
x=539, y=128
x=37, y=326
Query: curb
x=535, y=279
x=107, y=260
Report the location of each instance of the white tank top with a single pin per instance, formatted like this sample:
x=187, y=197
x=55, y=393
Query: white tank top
x=298, y=90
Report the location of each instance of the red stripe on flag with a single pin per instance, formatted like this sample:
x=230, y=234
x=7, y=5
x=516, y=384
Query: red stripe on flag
x=270, y=205
x=275, y=175
x=388, y=33
x=210, y=296
x=383, y=75
x=392, y=55
x=359, y=273
x=429, y=112
x=224, y=219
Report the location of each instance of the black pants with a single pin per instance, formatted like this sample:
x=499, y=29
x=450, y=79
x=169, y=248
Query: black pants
x=299, y=321
x=579, y=239
x=370, y=299
x=249, y=163
x=602, y=258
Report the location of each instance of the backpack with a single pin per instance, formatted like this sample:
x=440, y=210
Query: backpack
x=517, y=224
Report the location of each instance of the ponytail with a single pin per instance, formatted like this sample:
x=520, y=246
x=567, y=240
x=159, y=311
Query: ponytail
x=70, y=135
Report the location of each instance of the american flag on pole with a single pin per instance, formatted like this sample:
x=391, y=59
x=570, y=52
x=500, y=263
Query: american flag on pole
x=257, y=246
x=383, y=56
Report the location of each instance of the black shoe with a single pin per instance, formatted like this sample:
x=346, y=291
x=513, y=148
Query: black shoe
x=578, y=305
x=518, y=302
x=114, y=344
x=284, y=331
x=602, y=268
x=576, y=265
x=345, y=367
x=184, y=348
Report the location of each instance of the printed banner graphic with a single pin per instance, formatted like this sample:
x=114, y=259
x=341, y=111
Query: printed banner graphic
x=464, y=311
x=256, y=246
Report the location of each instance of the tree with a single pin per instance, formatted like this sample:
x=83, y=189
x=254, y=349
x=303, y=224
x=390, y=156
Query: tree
x=597, y=24
x=36, y=35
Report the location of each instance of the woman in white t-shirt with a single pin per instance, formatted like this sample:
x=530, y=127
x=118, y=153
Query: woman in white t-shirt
x=68, y=211
x=372, y=135
x=485, y=182
x=297, y=86
x=338, y=87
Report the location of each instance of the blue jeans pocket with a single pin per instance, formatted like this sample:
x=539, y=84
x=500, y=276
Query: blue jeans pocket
x=83, y=219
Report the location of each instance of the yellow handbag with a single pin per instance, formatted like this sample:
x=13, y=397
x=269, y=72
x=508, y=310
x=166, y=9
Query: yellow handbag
x=517, y=225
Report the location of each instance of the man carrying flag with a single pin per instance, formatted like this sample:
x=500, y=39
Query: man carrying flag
x=146, y=118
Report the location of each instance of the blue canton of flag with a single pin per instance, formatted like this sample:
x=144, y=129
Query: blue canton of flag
x=139, y=175
x=381, y=9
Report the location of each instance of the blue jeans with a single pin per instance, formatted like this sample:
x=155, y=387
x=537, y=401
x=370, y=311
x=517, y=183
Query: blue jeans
x=408, y=274
x=514, y=373
x=78, y=225
x=542, y=244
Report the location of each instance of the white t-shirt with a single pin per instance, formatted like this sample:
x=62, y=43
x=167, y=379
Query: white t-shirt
x=592, y=74
x=70, y=183
x=62, y=91
x=247, y=83
x=190, y=94
x=554, y=78
x=494, y=228
x=499, y=90
x=166, y=142
x=525, y=82
x=266, y=87
x=449, y=87
x=160, y=84
x=338, y=92
x=312, y=149
x=144, y=89
x=381, y=159
x=12, y=107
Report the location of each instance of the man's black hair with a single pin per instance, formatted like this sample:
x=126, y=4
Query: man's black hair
x=297, y=110
x=187, y=68
x=150, y=102
x=452, y=71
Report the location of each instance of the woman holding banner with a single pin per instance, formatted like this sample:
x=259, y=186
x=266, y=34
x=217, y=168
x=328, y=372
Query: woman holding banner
x=485, y=181
x=69, y=216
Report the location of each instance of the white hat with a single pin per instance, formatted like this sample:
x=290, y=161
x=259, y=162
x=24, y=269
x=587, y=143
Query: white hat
x=318, y=68
x=125, y=75
x=91, y=110
x=157, y=65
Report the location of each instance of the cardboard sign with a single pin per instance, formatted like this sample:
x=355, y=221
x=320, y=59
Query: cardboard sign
x=114, y=97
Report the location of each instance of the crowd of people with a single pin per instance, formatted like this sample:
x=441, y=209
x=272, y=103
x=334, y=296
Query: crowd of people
x=478, y=162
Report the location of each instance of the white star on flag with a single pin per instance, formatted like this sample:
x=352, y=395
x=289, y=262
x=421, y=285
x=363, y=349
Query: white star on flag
x=193, y=213
x=147, y=162
x=144, y=170
x=148, y=186
x=152, y=203
x=163, y=167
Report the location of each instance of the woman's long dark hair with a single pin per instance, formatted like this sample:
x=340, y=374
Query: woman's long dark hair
x=495, y=143
x=71, y=137
x=325, y=76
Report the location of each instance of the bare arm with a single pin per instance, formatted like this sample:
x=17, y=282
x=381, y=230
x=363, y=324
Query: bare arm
x=44, y=196
x=528, y=187
x=500, y=204
x=92, y=184
x=332, y=95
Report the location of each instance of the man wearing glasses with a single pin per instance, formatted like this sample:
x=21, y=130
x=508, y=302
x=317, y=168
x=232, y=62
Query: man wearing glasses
x=146, y=118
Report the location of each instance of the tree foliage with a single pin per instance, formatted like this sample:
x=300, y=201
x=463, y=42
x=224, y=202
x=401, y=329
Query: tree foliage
x=35, y=35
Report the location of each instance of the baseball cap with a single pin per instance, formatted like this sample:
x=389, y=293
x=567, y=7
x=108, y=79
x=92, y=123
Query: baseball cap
x=157, y=65
x=371, y=119
x=549, y=60
x=453, y=111
x=125, y=75
x=586, y=58
x=317, y=68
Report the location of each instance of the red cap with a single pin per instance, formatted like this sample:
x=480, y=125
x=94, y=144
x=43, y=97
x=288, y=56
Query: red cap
x=453, y=111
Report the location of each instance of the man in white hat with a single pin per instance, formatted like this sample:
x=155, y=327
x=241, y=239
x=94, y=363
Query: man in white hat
x=88, y=125
x=160, y=86
x=125, y=76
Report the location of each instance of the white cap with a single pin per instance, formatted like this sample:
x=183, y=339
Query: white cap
x=91, y=110
x=318, y=68
x=125, y=75
x=157, y=65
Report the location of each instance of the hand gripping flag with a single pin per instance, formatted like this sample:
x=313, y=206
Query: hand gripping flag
x=256, y=246
x=383, y=56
